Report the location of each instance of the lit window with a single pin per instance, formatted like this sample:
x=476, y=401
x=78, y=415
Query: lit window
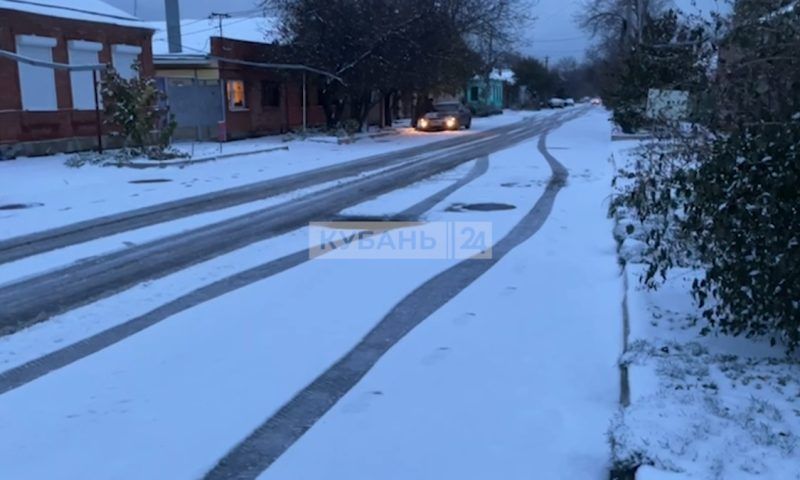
x=236, y=96
x=38, y=84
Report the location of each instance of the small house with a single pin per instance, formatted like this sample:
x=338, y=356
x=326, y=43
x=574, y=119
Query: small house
x=230, y=87
x=491, y=91
x=44, y=109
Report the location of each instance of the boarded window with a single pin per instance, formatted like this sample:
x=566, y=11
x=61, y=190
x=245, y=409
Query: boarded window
x=270, y=94
x=83, y=53
x=236, y=95
x=37, y=84
x=124, y=58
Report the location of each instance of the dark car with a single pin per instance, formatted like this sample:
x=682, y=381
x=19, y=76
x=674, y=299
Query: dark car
x=446, y=116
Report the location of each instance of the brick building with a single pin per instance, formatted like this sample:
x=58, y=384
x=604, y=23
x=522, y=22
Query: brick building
x=44, y=110
x=221, y=87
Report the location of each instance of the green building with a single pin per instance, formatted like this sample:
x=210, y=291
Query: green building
x=493, y=93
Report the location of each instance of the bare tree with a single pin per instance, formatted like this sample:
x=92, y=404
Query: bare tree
x=390, y=45
x=617, y=22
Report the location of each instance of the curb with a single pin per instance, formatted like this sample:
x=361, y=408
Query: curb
x=617, y=137
x=624, y=472
x=185, y=163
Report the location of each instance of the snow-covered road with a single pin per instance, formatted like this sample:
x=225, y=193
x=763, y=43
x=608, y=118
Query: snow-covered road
x=515, y=377
x=61, y=195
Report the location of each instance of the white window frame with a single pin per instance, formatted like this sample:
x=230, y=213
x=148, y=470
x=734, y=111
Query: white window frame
x=82, y=83
x=119, y=54
x=231, y=106
x=37, y=85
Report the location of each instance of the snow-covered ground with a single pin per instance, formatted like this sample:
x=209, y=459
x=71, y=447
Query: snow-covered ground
x=515, y=378
x=61, y=195
x=702, y=407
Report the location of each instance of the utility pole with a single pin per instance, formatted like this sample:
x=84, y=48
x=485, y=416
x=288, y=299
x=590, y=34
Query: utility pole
x=220, y=17
x=547, y=63
x=640, y=17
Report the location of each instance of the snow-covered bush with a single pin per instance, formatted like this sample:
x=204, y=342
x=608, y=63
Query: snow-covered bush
x=725, y=196
x=744, y=222
x=133, y=108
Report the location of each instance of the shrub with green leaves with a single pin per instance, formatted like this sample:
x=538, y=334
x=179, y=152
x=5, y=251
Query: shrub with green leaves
x=744, y=219
x=725, y=197
x=133, y=109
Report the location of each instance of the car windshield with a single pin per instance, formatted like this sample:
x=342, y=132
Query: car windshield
x=446, y=107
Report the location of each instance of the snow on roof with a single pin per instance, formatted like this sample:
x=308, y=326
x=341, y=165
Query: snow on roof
x=196, y=34
x=84, y=10
x=504, y=75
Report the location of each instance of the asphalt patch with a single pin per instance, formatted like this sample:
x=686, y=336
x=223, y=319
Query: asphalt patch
x=151, y=180
x=20, y=206
x=374, y=218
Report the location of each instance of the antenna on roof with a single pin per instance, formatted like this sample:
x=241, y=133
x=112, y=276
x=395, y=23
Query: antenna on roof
x=220, y=17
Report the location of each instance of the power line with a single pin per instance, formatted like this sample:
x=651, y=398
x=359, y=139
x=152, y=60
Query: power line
x=221, y=17
x=217, y=27
x=565, y=39
x=275, y=66
x=54, y=65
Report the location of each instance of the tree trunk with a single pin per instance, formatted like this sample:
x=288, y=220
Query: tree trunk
x=387, y=110
x=423, y=105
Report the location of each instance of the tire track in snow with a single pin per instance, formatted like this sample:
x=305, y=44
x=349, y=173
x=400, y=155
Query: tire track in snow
x=31, y=244
x=278, y=433
x=37, y=298
x=34, y=369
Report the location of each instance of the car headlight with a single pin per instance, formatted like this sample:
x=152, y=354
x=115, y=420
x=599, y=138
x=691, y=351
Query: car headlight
x=451, y=122
x=423, y=122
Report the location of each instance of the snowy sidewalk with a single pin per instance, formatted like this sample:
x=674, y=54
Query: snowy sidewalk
x=515, y=378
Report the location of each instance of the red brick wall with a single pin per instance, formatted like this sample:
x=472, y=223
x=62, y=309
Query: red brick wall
x=19, y=126
x=258, y=119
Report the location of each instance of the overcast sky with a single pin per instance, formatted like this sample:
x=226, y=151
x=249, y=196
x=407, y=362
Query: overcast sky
x=553, y=35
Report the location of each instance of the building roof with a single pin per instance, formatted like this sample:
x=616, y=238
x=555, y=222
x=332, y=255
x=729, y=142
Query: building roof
x=196, y=34
x=83, y=10
x=499, y=75
x=504, y=75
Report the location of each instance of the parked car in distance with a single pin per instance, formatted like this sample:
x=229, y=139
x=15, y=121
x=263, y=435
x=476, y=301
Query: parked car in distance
x=596, y=101
x=446, y=116
x=556, y=102
x=569, y=102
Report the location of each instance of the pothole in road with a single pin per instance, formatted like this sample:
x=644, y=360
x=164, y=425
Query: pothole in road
x=150, y=180
x=480, y=207
x=20, y=206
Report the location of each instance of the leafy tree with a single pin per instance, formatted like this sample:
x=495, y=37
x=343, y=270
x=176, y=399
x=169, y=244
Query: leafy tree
x=532, y=74
x=724, y=197
x=133, y=110
x=418, y=46
x=666, y=57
